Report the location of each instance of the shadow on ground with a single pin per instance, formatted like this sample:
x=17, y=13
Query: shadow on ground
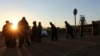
x=88, y=51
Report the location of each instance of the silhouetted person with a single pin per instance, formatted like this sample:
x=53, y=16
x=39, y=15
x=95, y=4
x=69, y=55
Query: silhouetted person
x=23, y=28
x=39, y=31
x=5, y=33
x=53, y=32
x=8, y=33
x=95, y=28
x=69, y=30
x=34, y=36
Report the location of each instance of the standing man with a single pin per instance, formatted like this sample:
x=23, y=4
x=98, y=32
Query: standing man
x=34, y=34
x=8, y=34
x=69, y=30
x=53, y=32
x=5, y=33
x=23, y=28
x=39, y=31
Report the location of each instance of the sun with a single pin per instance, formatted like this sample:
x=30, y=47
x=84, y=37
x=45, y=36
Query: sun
x=14, y=25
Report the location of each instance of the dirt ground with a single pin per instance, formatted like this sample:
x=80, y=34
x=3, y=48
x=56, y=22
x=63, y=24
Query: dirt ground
x=86, y=46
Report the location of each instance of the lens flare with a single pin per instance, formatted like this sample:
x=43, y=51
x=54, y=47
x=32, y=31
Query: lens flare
x=14, y=26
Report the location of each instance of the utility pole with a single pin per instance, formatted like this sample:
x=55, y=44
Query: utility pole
x=75, y=13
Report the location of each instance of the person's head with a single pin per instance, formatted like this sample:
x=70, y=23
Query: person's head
x=7, y=22
x=34, y=22
x=66, y=22
x=39, y=23
x=50, y=23
x=23, y=18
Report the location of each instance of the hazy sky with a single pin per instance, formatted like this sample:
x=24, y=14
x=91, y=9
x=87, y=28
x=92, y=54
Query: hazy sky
x=45, y=11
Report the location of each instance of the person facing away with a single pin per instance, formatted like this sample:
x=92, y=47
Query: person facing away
x=34, y=36
x=39, y=31
x=8, y=34
x=23, y=28
x=53, y=32
x=5, y=33
x=69, y=30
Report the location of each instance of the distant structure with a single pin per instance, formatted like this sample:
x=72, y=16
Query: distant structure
x=95, y=27
x=82, y=20
x=82, y=23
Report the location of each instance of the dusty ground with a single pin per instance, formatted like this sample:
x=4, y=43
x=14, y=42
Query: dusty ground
x=86, y=46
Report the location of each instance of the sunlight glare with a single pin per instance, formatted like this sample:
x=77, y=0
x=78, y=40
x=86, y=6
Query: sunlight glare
x=14, y=26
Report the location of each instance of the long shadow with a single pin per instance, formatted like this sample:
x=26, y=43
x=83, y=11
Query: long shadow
x=35, y=50
x=10, y=52
x=54, y=47
x=47, y=49
x=88, y=51
x=24, y=52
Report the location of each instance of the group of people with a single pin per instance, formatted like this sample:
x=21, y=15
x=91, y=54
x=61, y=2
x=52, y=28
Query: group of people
x=23, y=33
x=69, y=31
x=36, y=32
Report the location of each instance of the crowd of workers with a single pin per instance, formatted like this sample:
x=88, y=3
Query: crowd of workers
x=35, y=36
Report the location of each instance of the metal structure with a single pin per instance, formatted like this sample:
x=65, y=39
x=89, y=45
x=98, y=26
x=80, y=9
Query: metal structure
x=75, y=13
x=82, y=23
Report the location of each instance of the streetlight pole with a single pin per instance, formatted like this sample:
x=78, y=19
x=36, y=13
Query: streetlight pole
x=75, y=13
